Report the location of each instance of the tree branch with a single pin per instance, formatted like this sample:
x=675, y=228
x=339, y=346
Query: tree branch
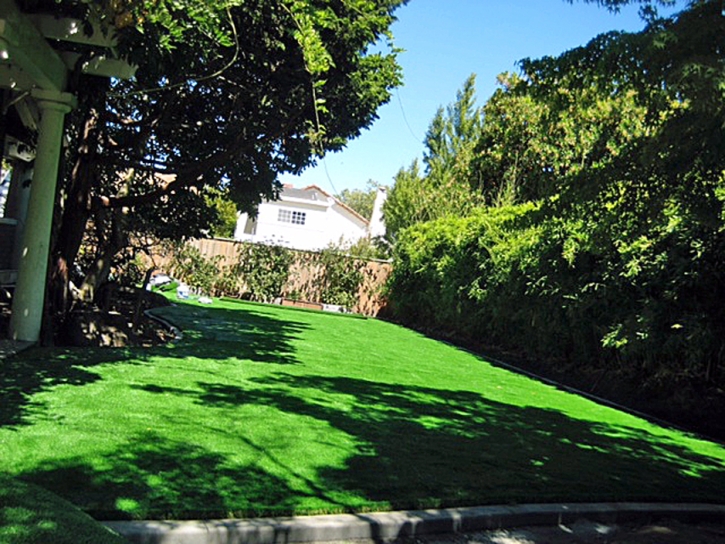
x=191, y=174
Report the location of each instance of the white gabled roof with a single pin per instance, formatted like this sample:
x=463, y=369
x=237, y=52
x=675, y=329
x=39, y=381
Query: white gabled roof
x=312, y=194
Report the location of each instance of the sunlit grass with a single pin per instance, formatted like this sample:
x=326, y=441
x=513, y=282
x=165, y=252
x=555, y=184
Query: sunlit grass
x=268, y=410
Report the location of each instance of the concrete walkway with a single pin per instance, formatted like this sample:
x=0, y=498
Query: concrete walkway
x=575, y=523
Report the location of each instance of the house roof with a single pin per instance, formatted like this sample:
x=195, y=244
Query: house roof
x=302, y=194
x=311, y=193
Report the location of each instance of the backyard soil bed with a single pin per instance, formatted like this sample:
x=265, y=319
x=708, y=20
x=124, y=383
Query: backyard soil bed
x=120, y=321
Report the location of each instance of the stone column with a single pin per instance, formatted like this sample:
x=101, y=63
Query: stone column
x=27, y=314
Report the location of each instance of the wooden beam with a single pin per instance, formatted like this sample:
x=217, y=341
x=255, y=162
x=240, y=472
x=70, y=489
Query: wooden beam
x=73, y=30
x=100, y=65
x=25, y=47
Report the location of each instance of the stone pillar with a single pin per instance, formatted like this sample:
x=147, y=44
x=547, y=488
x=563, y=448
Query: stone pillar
x=27, y=313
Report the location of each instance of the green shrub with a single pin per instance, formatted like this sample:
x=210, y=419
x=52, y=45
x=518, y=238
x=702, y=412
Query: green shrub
x=263, y=270
x=598, y=285
x=197, y=271
x=341, y=277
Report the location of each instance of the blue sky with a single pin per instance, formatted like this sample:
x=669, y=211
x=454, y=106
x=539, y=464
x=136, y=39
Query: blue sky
x=445, y=41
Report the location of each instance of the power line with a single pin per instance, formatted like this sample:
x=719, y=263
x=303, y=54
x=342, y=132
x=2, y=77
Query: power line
x=329, y=179
x=405, y=118
x=407, y=124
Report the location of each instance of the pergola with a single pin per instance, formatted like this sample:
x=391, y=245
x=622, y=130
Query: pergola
x=35, y=64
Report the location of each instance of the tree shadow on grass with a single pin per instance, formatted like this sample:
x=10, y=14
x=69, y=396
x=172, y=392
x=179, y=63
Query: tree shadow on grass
x=416, y=447
x=242, y=333
x=152, y=478
x=209, y=333
x=423, y=447
x=31, y=514
x=38, y=369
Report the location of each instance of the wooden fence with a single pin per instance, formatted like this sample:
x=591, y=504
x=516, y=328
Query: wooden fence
x=303, y=279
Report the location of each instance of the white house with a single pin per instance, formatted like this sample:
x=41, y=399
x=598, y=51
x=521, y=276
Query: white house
x=307, y=219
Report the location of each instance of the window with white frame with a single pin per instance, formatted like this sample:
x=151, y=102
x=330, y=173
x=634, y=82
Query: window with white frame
x=290, y=216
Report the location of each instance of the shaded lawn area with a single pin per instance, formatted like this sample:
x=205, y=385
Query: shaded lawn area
x=265, y=410
x=31, y=515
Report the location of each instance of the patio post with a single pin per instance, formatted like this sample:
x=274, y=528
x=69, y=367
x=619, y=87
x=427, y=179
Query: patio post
x=27, y=311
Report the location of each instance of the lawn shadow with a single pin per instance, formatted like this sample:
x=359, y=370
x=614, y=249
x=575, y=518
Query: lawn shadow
x=153, y=478
x=416, y=447
x=423, y=447
x=39, y=369
x=31, y=514
x=209, y=333
x=222, y=333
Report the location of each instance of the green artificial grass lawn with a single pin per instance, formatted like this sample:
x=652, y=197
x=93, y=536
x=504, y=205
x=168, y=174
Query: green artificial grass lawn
x=31, y=515
x=267, y=410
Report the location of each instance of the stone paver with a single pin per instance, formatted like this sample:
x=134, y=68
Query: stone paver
x=587, y=532
x=599, y=523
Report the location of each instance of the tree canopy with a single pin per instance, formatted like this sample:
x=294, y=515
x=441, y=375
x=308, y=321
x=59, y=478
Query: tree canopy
x=600, y=238
x=361, y=200
x=241, y=91
x=615, y=5
x=442, y=188
x=227, y=95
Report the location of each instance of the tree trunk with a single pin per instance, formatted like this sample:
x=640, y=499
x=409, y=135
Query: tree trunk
x=75, y=214
x=108, y=247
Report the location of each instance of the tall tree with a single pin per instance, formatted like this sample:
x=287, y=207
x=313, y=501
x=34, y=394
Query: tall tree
x=444, y=188
x=452, y=133
x=613, y=250
x=361, y=200
x=409, y=202
x=227, y=95
x=649, y=6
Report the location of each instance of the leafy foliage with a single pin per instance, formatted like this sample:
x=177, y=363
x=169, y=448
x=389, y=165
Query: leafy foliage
x=227, y=95
x=603, y=239
x=341, y=277
x=198, y=271
x=360, y=200
x=443, y=188
x=614, y=5
x=263, y=270
x=226, y=212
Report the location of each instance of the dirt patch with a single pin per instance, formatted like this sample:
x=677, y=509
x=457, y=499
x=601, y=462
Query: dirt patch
x=119, y=320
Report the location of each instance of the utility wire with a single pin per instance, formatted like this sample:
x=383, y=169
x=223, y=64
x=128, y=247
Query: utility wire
x=329, y=179
x=407, y=124
x=405, y=117
x=200, y=78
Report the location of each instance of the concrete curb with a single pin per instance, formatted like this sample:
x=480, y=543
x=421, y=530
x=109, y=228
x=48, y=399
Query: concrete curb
x=384, y=526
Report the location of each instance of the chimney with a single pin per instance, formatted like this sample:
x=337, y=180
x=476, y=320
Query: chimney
x=377, y=224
